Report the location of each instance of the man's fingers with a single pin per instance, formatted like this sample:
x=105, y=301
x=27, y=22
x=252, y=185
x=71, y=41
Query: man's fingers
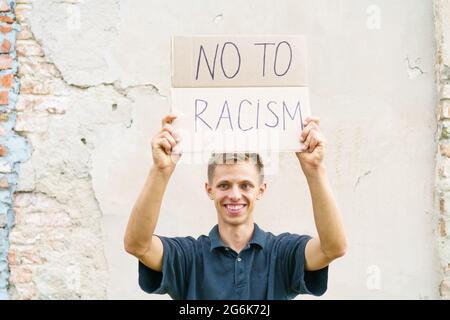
x=168, y=119
x=168, y=127
x=314, y=139
x=307, y=130
x=308, y=140
x=169, y=138
x=164, y=141
x=311, y=119
x=165, y=144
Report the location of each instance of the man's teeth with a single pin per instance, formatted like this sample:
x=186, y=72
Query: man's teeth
x=235, y=207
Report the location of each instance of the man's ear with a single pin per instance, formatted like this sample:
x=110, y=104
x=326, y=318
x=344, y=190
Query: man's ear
x=262, y=189
x=208, y=190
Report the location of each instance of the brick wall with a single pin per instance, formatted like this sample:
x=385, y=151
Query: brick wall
x=13, y=148
x=55, y=246
x=442, y=17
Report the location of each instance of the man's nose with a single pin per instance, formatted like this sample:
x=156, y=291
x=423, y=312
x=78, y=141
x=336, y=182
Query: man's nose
x=235, y=193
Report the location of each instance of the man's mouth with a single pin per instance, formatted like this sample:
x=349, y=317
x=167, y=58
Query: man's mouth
x=235, y=209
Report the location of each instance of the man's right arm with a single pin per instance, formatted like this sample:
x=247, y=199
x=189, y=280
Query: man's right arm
x=139, y=239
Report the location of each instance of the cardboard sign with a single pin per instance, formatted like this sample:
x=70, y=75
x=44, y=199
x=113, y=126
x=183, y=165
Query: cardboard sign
x=239, y=94
x=240, y=119
x=239, y=61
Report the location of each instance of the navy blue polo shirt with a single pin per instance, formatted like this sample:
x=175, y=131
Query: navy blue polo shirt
x=269, y=267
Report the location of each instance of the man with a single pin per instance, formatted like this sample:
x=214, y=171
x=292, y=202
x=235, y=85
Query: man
x=237, y=260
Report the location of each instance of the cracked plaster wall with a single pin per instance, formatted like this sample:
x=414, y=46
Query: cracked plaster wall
x=93, y=91
x=442, y=188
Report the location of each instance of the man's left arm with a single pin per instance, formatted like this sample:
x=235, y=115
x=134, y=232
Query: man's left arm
x=331, y=242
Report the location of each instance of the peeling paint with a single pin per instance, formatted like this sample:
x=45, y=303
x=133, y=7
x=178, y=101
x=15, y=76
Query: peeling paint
x=218, y=18
x=365, y=174
x=413, y=70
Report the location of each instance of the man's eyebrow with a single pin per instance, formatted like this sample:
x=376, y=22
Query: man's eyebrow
x=227, y=181
x=222, y=181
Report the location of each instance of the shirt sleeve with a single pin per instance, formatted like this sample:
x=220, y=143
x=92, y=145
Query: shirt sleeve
x=177, y=259
x=300, y=281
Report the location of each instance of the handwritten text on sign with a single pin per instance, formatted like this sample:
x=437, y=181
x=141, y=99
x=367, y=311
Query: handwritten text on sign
x=240, y=119
x=244, y=61
x=239, y=93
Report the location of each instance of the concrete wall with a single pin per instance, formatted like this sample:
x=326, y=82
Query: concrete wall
x=94, y=81
x=442, y=190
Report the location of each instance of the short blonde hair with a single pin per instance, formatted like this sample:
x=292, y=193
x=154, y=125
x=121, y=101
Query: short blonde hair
x=234, y=158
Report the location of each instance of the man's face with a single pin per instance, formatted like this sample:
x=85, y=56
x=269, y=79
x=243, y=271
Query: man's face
x=235, y=189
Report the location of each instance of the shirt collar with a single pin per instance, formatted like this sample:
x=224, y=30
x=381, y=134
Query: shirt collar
x=259, y=237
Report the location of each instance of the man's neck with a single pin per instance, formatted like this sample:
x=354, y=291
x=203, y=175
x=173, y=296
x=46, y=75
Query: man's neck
x=236, y=237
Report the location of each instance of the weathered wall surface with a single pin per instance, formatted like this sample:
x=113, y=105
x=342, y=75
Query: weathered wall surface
x=13, y=148
x=442, y=17
x=56, y=248
x=94, y=80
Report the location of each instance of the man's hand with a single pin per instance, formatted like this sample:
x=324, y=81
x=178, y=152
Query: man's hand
x=163, y=144
x=314, y=146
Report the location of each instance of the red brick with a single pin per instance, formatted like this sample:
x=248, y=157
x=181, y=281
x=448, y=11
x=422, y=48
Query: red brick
x=4, y=98
x=30, y=257
x=24, y=256
x=6, y=46
x=6, y=81
x=27, y=103
x=4, y=183
x=54, y=219
x=444, y=289
x=4, y=117
x=20, y=274
x=22, y=11
x=3, y=151
x=33, y=86
x=37, y=67
x=25, y=291
x=5, y=62
x=442, y=228
x=6, y=19
x=445, y=91
x=444, y=110
x=31, y=123
x=4, y=6
x=22, y=200
x=445, y=149
x=50, y=104
x=28, y=48
x=28, y=237
x=12, y=257
x=24, y=33
x=5, y=28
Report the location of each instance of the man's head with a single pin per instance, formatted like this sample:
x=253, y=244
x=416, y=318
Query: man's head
x=235, y=182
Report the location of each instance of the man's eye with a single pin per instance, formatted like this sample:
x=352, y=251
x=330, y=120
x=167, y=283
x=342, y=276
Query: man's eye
x=245, y=186
x=222, y=186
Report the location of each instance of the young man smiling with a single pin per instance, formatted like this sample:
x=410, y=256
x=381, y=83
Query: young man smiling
x=237, y=260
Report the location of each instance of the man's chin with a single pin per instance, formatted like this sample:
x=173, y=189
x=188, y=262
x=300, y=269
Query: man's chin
x=235, y=219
